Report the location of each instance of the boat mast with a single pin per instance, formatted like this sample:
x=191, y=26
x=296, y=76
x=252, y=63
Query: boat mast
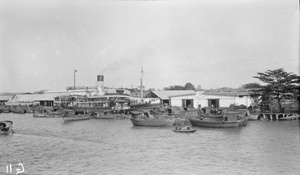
x=142, y=97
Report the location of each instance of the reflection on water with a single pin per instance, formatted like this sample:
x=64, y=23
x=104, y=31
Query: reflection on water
x=52, y=146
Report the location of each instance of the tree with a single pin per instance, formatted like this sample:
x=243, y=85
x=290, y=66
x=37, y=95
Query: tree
x=250, y=86
x=189, y=86
x=199, y=87
x=175, y=87
x=277, y=84
x=151, y=89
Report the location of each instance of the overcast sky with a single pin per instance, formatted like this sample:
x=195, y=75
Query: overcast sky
x=209, y=43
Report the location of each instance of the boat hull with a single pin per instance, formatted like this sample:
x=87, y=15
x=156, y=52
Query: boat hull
x=185, y=131
x=152, y=122
x=108, y=116
x=6, y=127
x=76, y=117
x=214, y=124
x=41, y=115
x=6, y=132
x=243, y=121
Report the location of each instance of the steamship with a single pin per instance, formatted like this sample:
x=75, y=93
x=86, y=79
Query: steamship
x=95, y=98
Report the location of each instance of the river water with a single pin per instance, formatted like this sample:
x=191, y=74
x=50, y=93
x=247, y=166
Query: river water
x=52, y=146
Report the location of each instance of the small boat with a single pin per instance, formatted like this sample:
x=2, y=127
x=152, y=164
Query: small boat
x=184, y=129
x=54, y=113
x=106, y=115
x=69, y=116
x=41, y=114
x=6, y=127
x=110, y=115
x=5, y=109
x=18, y=109
x=144, y=118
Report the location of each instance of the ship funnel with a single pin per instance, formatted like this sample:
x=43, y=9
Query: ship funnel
x=100, y=84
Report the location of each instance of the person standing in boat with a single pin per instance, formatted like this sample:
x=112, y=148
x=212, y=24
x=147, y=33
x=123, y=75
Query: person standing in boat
x=199, y=109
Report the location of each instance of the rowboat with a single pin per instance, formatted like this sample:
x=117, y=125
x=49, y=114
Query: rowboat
x=184, y=129
x=6, y=127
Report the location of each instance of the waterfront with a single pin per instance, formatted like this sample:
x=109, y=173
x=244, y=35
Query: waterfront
x=51, y=146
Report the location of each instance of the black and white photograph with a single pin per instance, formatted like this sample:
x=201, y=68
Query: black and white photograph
x=144, y=87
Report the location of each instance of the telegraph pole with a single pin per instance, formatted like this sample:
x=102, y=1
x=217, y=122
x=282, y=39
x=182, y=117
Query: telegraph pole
x=142, y=96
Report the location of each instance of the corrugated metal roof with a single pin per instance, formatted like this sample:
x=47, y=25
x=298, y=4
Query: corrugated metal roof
x=5, y=97
x=168, y=94
x=36, y=97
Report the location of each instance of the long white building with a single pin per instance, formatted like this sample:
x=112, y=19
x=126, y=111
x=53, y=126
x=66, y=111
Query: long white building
x=205, y=98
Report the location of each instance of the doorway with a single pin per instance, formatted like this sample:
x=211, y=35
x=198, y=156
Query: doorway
x=188, y=103
x=213, y=103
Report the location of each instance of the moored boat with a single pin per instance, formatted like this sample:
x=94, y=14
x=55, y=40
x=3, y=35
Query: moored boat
x=230, y=119
x=110, y=114
x=145, y=118
x=18, y=110
x=205, y=122
x=76, y=117
x=5, y=109
x=106, y=115
x=6, y=127
x=69, y=116
x=152, y=122
x=42, y=114
x=54, y=113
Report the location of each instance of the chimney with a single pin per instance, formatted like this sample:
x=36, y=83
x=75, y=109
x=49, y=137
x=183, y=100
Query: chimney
x=100, y=84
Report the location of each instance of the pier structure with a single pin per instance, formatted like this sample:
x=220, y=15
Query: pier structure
x=278, y=116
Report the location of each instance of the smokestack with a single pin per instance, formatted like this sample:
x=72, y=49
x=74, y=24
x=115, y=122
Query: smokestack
x=100, y=84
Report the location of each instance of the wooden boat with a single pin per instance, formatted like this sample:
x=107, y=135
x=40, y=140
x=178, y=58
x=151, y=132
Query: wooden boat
x=243, y=121
x=205, y=122
x=18, y=110
x=69, y=116
x=214, y=117
x=43, y=114
x=152, y=122
x=6, y=127
x=106, y=115
x=184, y=129
x=5, y=109
x=76, y=117
x=147, y=106
x=145, y=118
x=54, y=113
x=110, y=114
